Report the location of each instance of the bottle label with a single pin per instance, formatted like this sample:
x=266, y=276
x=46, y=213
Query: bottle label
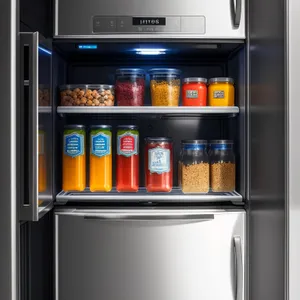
x=100, y=144
x=74, y=144
x=128, y=144
x=192, y=94
x=159, y=160
x=219, y=94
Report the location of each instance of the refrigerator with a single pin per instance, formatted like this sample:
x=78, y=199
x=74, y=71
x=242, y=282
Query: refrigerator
x=59, y=245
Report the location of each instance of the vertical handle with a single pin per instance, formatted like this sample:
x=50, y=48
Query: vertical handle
x=236, y=12
x=29, y=115
x=237, y=242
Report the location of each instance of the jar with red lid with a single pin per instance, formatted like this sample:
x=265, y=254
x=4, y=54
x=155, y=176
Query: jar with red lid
x=194, y=91
x=159, y=164
x=130, y=87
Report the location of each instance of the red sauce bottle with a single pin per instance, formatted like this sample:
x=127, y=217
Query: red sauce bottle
x=194, y=92
x=159, y=164
x=127, y=159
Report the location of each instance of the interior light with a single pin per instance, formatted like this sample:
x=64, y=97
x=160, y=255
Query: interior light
x=150, y=51
x=88, y=47
x=45, y=50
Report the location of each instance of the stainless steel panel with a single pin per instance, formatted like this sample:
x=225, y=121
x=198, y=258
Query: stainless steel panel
x=293, y=166
x=8, y=158
x=267, y=109
x=150, y=254
x=76, y=19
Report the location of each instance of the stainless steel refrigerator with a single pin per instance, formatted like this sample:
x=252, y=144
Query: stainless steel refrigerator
x=58, y=245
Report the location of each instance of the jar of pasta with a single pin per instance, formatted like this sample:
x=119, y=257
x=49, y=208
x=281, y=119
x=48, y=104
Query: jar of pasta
x=74, y=158
x=221, y=91
x=165, y=87
x=222, y=166
x=195, y=167
x=100, y=158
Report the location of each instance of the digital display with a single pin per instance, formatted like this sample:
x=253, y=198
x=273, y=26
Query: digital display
x=144, y=21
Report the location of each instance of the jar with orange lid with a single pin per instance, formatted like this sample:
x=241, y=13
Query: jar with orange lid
x=74, y=158
x=221, y=91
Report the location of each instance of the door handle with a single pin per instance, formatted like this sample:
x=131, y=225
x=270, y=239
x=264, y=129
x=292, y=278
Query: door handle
x=236, y=12
x=150, y=217
x=237, y=244
x=30, y=207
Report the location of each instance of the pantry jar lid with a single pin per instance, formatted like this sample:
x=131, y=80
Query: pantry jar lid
x=164, y=71
x=195, y=80
x=158, y=140
x=221, y=80
x=126, y=127
x=128, y=71
x=194, y=142
x=74, y=127
x=101, y=127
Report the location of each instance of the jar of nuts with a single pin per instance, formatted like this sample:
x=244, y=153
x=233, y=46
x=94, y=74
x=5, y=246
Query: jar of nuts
x=222, y=166
x=194, y=166
x=87, y=95
x=165, y=87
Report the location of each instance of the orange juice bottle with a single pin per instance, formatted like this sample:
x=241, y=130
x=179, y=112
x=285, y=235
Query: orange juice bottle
x=42, y=179
x=74, y=158
x=100, y=159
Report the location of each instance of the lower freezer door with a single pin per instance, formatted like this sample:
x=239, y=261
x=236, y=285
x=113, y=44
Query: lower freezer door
x=175, y=254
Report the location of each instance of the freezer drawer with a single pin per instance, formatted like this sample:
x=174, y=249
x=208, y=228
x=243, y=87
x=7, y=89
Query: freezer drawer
x=215, y=19
x=150, y=254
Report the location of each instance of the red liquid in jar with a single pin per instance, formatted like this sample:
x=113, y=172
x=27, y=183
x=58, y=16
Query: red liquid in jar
x=159, y=166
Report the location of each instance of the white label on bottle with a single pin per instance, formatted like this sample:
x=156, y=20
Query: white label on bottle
x=159, y=160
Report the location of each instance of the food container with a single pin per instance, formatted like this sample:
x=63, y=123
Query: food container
x=222, y=166
x=159, y=164
x=74, y=158
x=44, y=95
x=221, y=91
x=127, y=159
x=194, y=167
x=100, y=158
x=194, y=91
x=130, y=87
x=42, y=178
x=165, y=87
x=87, y=95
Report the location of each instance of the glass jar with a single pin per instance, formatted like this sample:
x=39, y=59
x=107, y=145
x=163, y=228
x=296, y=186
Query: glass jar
x=100, y=158
x=159, y=164
x=195, y=166
x=221, y=91
x=87, y=95
x=130, y=87
x=165, y=87
x=74, y=158
x=127, y=159
x=222, y=166
x=194, y=92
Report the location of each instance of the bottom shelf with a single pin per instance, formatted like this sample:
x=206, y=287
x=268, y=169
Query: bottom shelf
x=142, y=195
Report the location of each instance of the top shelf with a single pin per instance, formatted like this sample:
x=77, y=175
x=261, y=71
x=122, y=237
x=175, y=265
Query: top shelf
x=230, y=111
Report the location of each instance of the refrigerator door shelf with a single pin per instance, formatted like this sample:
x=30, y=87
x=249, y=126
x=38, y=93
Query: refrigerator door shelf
x=142, y=196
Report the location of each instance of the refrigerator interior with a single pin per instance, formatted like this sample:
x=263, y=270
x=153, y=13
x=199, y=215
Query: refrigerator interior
x=257, y=185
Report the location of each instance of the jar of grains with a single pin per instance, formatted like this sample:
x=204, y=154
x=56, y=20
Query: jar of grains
x=130, y=87
x=194, y=167
x=222, y=166
x=165, y=87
